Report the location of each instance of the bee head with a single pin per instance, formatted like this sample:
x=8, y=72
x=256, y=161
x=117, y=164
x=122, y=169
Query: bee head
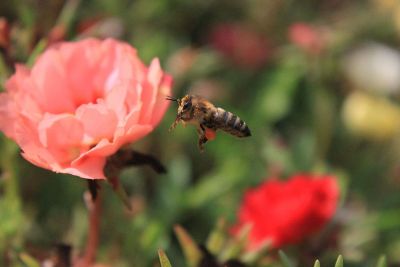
x=185, y=105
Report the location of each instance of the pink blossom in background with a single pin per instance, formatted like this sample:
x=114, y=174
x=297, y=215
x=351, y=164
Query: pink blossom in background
x=241, y=45
x=5, y=31
x=306, y=37
x=80, y=102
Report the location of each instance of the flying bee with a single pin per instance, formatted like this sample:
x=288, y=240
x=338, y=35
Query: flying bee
x=207, y=118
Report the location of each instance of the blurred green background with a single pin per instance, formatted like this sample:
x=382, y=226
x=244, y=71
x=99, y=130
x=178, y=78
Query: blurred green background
x=317, y=81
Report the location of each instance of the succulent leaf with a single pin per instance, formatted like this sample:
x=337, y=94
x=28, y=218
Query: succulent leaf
x=217, y=237
x=339, y=261
x=190, y=249
x=164, y=261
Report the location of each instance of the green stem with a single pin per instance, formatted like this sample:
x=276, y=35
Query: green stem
x=4, y=72
x=10, y=203
x=10, y=174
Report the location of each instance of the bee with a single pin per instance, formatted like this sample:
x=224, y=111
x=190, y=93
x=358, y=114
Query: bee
x=207, y=118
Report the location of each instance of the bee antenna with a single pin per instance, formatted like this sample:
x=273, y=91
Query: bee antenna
x=171, y=98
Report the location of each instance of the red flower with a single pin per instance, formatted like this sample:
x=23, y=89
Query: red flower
x=241, y=45
x=286, y=212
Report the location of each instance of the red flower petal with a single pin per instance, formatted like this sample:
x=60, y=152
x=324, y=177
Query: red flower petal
x=286, y=212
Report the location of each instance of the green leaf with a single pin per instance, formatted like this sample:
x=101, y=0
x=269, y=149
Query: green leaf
x=382, y=261
x=28, y=261
x=278, y=90
x=189, y=247
x=317, y=264
x=217, y=237
x=339, y=261
x=68, y=13
x=215, y=184
x=39, y=48
x=120, y=191
x=236, y=246
x=285, y=259
x=253, y=256
x=151, y=235
x=163, y=259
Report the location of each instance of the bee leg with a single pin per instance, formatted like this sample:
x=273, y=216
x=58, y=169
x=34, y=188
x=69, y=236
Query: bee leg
x=202, y=137
x=202, y=141
x=173, y=125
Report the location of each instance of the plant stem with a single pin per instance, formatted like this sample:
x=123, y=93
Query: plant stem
x=92, y=243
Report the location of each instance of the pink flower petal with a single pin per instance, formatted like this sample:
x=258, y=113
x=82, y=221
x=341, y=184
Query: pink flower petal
x=62, y=135
x=128, y=63
x=149, y=94
x=161, y=103
x=17, y=81
x=155, y=73
x=107, y=148
x=8, y=115
x=27, y=138
x=80, y=103
x=115, y=100
x=132, y=118
x=98, y=122
x=88, y=167
x=135, y=133
x=49, y=76
x=80, y=65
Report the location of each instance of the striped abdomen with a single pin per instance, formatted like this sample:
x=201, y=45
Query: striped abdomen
x=230, y=123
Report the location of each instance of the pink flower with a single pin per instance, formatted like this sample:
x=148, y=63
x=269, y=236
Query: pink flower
x=287, y=212
x=243, y=46
x=307, y=37
x=80, y=103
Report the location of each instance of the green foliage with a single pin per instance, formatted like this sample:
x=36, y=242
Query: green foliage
x=216, y=238
x=381, y=261
x=28, y=261
x=189, y=247
x=277, y=90
x=293, y=104
x=339, y=261
x=12, y=219
x=164, y=261
x=285, y=259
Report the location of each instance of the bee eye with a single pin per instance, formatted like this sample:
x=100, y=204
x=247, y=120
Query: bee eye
x=187, y=105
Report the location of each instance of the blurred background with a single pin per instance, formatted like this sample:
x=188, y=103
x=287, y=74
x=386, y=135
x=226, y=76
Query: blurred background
x=317, y=81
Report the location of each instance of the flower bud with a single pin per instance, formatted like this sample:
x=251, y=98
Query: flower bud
x=371, y=117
